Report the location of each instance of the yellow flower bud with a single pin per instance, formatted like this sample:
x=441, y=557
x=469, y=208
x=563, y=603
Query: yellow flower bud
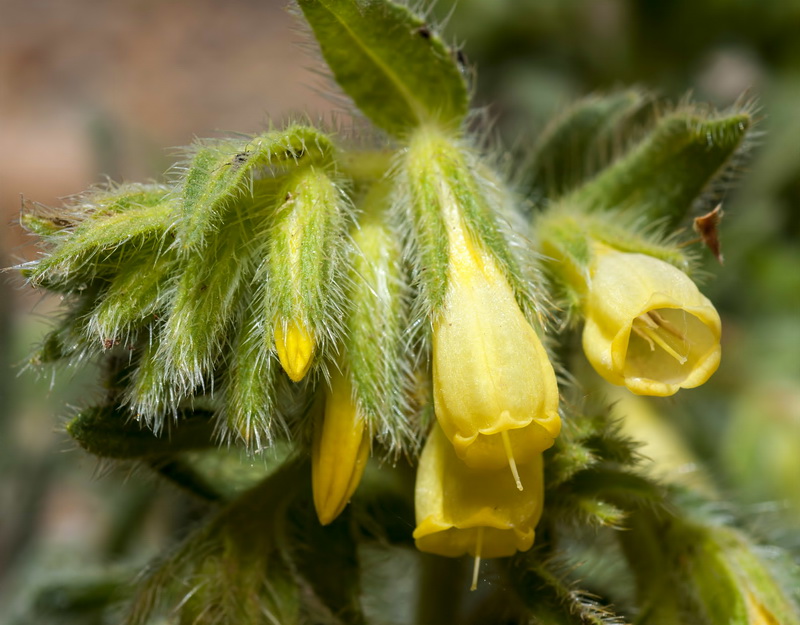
x=340, y=450
x=495, y=391
x=648, y=327
x=460, y=510
x=295, y=347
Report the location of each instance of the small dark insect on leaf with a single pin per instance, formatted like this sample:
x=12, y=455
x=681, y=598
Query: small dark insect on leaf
x=424, y=32
x=461, y=58
x=707, y=227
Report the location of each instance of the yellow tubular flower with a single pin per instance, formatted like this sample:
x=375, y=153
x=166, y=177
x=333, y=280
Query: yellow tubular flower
x=340, y=451
x=495, y=391
x=461, y=511
x=648, y=327
x=295, y=347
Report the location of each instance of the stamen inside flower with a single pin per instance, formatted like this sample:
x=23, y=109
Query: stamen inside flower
x=476, y=567
x=648, y=327
x=510, y=453
x=666, y=344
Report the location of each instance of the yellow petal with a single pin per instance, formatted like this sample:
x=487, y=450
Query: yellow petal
x=491, y=373
x=295, y=347
x=340, y=451
x=648, y=327
x=458, y=507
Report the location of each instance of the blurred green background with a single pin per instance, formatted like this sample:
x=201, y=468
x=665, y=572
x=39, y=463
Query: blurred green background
x=91, y=90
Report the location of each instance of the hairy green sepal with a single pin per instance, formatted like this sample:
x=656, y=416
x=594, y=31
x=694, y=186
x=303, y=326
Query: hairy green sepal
x=376, y=347
x=304, y=262
x=222, y=172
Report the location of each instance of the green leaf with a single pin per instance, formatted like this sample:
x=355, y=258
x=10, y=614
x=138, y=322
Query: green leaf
x=305, y=257
x=664, y=174
x=578, y=142
x=396, y=69
x=230, y=569
x=111, y=432
x=82, y=598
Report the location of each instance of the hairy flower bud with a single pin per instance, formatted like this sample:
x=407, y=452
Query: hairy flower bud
x=648, y=327
x=340, y=450
x=460, y=510
x=295, y=347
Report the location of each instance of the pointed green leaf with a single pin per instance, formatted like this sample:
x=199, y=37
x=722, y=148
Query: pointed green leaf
x=396, y=69
x=230, y=568
x=82, y=598
x=665, y=173
x=577, y=143
x=111, y=432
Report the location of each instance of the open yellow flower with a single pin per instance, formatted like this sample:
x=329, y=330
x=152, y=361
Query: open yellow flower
x=648, y=327
x=339, y=452
x=461, y=511
x=495, y=391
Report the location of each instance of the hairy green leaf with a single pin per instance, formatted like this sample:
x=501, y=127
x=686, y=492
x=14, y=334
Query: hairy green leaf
x=396, y=69
x=664, y=174
x=578, y=142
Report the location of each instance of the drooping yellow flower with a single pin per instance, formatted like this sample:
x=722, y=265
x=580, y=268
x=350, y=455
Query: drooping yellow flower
x=648, y=327
x=460, y=510
x=340, y=450
x=495, y=391
x=295, y=347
